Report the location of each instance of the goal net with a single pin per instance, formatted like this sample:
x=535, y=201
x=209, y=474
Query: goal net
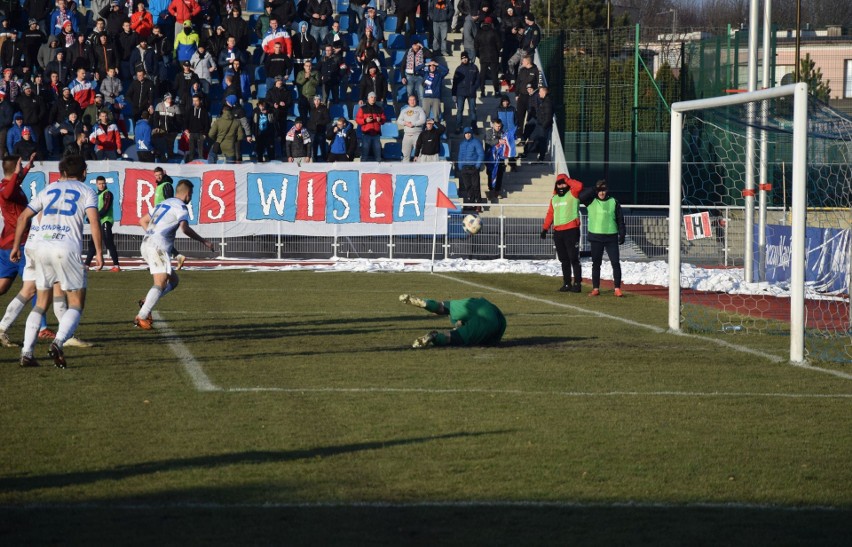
x=763, y=182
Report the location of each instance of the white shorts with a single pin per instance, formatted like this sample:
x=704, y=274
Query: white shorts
x=157, y=258
x=54, y=264
x=29, y=267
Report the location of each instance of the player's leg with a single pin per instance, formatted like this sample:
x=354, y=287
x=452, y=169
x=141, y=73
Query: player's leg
x=597, y=248
x=163, y=285
x=435, y=306
x=34, y=319
x=60, y=306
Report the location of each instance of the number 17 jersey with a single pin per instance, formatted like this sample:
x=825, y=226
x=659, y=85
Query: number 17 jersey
x=165, y=220
x=63, y=206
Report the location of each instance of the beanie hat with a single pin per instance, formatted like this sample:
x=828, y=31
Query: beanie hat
x=231, y=100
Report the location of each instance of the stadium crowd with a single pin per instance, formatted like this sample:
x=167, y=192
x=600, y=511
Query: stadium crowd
x=199, y=80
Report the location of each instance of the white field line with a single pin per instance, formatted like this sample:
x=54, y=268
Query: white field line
x=535, y=393
x=200, y=380
x=498, y=504
x=723, y=343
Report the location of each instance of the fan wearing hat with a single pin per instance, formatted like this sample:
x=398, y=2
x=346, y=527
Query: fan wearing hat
x=183, y=11
x=528, y=74
x=428, y=146
x=487, y=45
x=433, y=74
x=184, y=82
x=563, y=214
x=373, y=82
x=372, y=23
x=465, y=86
x=167, y=123
x=186, y=42
x=370, y=118
x=470, y=156
x=227, y=131
x=33, y=39
x=61, y=15
x=27, y=146
x=114, y=17
x=297, y=144
x=236, y=26
x=606, y=232
x=319, y=118
x=529, y=39
x=14, y=133
x=203, y=64
x=409, y=67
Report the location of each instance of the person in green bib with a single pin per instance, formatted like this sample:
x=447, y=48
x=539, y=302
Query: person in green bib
x=564, y=215
x=606, y=232
x=476, y=322
x=106, y=219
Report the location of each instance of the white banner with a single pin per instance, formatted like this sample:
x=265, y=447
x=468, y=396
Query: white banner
x=318, y=199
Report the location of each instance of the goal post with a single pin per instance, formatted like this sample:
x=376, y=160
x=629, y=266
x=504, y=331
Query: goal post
x=799, y=92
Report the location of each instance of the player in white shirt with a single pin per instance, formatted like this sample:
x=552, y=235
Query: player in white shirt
x=63, y=205
x=160, y=227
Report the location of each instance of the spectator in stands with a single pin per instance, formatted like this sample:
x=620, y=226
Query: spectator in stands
x=265, y=130
x=142, y=22
x=319, y=14
x=91, y=114
x=70, y=128
x=82, y=89
x=33, y=109
x=111, y=87
x=237, y=27
x=319, y=119
x=142, y=136
x=284, y=10
x=218, y=42
x=411, y=120
x=184, y=82
x=261, y=26
x=14, y=133
x=405, y=11
x=488, y=44
x=229, y=54
x=297, y=144
x=33, y=39
x=7, y=113
x=471, y=25
x=206, y=21
x=27, y=145
x=227, y=131
x=433, y=75
x=60, y=16
x=183, y=11
x=13, y=55
x=542, y=120
x=54, y=87
x=276, y=64
x=100, y=28
x=10, y=85
x=143, y=58
x=204, y=65
x=276, y=34
x=39, y=11
x=528, y=75
x=331, y=72
x=140, y=94
x=162, y=53
x=280, y=97
x=59, y=113
x=167, y=123
x=304, y=45
x=428, y=147
x=307, y=81
x=441, y=14
x=496, y=151
x=103, y=57
x=197, y=122
x=528, y=42
x=506, y=113
x=465, y=86
x=343, y=142
x=470, y=158
x=106, y=139
x=374, y=82
x=336, y=38
x=409, y=69
x=47, y=53
x=114, y=17
x=370, y=21
x=367, y=52
x=126, y=41
x=370, y=118
x=186, y=43
x=511, y=26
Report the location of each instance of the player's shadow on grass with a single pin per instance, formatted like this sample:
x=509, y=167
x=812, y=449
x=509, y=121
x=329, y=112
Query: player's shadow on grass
x=59, y=480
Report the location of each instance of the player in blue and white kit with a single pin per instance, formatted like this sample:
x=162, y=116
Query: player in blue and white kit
x=63, y=205
x=160, y=227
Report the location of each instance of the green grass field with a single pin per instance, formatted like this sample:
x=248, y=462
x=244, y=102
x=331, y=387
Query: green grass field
x=288, y=408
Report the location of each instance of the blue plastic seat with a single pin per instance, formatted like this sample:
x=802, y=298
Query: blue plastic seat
x=338, y=110
x=390, y=130
x=391, y=151
x=261, y=91
x=397, y=57
x=396, y=41
x=259, y=74
x=344, y=22
x=255, y=5
x=390, y=23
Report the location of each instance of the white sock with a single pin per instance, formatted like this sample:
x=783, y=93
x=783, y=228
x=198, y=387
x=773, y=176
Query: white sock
x=31, y=331
x=151, y=300
x=13, y=310
x=60, y=306
x=67, y=325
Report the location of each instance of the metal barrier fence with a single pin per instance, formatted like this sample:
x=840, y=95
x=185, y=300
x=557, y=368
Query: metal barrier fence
x=502, y=237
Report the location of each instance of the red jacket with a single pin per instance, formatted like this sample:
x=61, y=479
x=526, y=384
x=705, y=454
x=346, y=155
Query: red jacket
x=373, y=127
x=184, y=9
x=574, y=186
x=13, y=201
x=142, y=23
x=106, y=137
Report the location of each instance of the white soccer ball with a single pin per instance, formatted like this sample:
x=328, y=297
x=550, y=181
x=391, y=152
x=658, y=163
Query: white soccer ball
x=472, y=224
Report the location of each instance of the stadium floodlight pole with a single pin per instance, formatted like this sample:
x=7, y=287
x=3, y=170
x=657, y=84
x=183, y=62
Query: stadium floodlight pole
x=800, y=143
x=751, y=144
x=764, y=143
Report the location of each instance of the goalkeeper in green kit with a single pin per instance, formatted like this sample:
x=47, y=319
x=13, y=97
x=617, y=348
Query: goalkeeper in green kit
x=476, y=322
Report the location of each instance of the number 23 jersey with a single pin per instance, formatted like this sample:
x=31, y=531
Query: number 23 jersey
x=63, y=206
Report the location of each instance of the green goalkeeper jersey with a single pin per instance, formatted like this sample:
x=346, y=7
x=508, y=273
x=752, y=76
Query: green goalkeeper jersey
x=482, y=322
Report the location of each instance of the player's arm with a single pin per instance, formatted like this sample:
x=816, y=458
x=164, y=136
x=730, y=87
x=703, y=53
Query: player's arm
x=184, y=226
x=24, y=222
x=22, y=173
x=92, y=214
x=145, y=221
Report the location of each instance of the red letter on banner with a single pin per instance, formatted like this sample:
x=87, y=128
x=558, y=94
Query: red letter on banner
x=377, y=198
x=218, y=197
x=52, y=177
x=310, y=201
x=139, y=190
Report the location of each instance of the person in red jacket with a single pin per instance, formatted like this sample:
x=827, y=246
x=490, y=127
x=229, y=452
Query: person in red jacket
x=13, y=201
x=106, y=138
x=564, y=215
x=370, y=118
x=142, y=22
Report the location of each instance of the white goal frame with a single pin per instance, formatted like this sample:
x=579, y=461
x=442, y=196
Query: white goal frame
x=799, y=92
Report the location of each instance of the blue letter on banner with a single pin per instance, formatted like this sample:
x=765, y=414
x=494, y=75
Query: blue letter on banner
x=271, y=196
x=342, y=205
x=409, y=197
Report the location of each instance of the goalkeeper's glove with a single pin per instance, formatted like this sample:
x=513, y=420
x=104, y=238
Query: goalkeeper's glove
x=544, y=234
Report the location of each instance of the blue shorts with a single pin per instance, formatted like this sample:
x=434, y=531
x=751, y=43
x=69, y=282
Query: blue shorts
x=9, y=269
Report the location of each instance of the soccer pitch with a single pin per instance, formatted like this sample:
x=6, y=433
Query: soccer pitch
x=289, y=408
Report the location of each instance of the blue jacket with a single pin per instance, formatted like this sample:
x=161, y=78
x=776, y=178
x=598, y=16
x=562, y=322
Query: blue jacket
x=142, y=134
x=471, y=153
x=13, y=136
x=507, y=116
x=433, y=82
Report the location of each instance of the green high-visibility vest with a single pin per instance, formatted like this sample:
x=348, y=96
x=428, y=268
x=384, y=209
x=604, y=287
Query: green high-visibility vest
x=159, y=196
x=602, y=217
x=108, y=216
x=565, y=208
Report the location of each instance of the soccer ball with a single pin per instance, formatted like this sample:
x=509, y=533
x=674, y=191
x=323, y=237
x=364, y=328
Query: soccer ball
x=472, y=224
